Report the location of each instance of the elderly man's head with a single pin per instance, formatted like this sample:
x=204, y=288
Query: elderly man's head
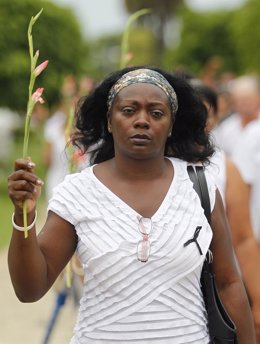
x=245, y=92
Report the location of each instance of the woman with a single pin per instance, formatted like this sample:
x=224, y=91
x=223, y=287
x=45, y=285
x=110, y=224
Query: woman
x=130, y=217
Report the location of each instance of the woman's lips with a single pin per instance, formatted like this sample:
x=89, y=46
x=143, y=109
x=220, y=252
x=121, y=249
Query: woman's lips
x=140, y=139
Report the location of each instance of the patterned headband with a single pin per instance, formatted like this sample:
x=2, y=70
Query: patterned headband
x=147, y=76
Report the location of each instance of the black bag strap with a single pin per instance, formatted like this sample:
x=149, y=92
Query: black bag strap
x=198, y=178
x=221, y=327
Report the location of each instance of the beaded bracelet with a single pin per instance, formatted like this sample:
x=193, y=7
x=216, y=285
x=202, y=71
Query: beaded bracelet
x=22, y=229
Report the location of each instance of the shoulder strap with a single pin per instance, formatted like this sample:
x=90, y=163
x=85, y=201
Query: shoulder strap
x=198, y=178
x=219, y=323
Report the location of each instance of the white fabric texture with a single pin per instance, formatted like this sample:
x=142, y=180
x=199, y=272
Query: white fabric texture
x=227, y=134
x=247, y=158
x=217, y=168
x=125, y=300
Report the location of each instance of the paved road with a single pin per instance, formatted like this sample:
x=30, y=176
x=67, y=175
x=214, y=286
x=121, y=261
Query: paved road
x=27, y=323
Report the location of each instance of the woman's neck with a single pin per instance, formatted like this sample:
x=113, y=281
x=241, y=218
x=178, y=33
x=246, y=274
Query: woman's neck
x=139, y=169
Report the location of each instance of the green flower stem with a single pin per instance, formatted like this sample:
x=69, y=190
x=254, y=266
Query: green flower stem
x=27, y=128
x=67, y=135
x=30, y=106
x=25, y=220
x=125, y=39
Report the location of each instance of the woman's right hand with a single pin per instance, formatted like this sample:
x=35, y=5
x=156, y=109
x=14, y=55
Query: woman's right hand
x=24, y=185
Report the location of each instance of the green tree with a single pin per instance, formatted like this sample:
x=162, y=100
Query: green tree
x=204, y=35
x=58, y=37
x=246, y=36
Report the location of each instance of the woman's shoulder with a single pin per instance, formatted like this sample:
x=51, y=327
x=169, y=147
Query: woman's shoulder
x=178, y=162
x=75, y=180
x=71, y=195
x=181, y=169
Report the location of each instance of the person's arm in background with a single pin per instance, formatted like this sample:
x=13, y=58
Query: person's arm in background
x=245, y=244
x=46, y=156
x=229, y=282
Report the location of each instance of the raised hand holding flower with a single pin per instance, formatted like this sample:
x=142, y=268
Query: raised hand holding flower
x=33, y=98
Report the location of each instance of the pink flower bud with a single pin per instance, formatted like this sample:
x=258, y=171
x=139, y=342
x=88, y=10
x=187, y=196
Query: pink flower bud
x=36, y=96
x=40, y=68
x=129, y=56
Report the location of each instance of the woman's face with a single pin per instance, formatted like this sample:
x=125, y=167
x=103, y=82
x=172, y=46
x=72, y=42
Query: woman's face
x=140, y=120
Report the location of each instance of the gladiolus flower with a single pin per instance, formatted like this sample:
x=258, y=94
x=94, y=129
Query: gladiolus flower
x=32, y=100
x=37, y=95
x=129, y=56
x=125, y=57
x=40, y=68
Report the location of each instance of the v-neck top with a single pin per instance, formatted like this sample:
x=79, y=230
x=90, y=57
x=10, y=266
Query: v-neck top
x=125, y=300
x=123, y=203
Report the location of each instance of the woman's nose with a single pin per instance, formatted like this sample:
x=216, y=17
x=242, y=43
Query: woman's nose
x=142, y=119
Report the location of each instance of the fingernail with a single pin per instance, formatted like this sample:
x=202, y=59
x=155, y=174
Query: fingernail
x=39, y=182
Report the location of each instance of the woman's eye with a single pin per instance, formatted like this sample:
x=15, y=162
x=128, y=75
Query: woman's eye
x=157, y=113
x=128, y=110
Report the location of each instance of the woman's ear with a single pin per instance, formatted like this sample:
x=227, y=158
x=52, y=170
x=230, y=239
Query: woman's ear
x=109, y=128
x=170, y=130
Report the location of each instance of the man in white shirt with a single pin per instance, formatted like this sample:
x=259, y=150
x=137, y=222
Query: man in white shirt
x=247, y=157
x=245, y=92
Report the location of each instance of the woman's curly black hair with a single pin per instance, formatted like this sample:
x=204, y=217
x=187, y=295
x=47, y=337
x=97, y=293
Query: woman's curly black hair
x=189, y=140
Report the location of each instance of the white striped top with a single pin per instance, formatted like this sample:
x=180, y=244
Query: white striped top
x=125, y=300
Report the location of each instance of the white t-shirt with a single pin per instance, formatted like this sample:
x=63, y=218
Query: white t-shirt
x=247, y=158
x=125, y=300
x=227, y=134
x=218, y=169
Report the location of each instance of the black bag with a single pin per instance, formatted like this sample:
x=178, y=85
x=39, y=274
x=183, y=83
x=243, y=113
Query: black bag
x=222, y=330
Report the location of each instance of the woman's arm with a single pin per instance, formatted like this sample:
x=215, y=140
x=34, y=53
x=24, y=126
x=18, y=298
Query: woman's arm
x=35, y=262
x=230, y=285
x=245, y=244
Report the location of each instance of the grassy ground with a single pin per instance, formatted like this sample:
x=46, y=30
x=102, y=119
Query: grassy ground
x=6, y=208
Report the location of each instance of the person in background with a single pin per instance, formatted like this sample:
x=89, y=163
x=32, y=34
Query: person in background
x=10, y=122
x=224, y=105
x=55, y=156
x=245, y=92
x=235, y=194
x=247, y=158
x=133, y=218
x=58, y=160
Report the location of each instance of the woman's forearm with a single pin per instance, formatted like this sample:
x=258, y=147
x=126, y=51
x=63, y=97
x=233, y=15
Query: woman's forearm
x=248, y=256
x=27, y=266
x=235, y=301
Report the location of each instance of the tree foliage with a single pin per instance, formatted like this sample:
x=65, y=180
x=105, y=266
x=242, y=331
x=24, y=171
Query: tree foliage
x=202, y=37
x=246, y=36
x=232, y=36
x=57, y=36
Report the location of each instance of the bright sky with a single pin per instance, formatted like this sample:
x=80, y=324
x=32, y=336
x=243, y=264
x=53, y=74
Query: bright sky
x=98, y=17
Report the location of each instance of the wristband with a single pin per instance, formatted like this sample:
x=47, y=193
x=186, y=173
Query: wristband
x=22, y=229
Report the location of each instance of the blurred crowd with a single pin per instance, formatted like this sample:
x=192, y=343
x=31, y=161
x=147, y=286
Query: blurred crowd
x=233, y=104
